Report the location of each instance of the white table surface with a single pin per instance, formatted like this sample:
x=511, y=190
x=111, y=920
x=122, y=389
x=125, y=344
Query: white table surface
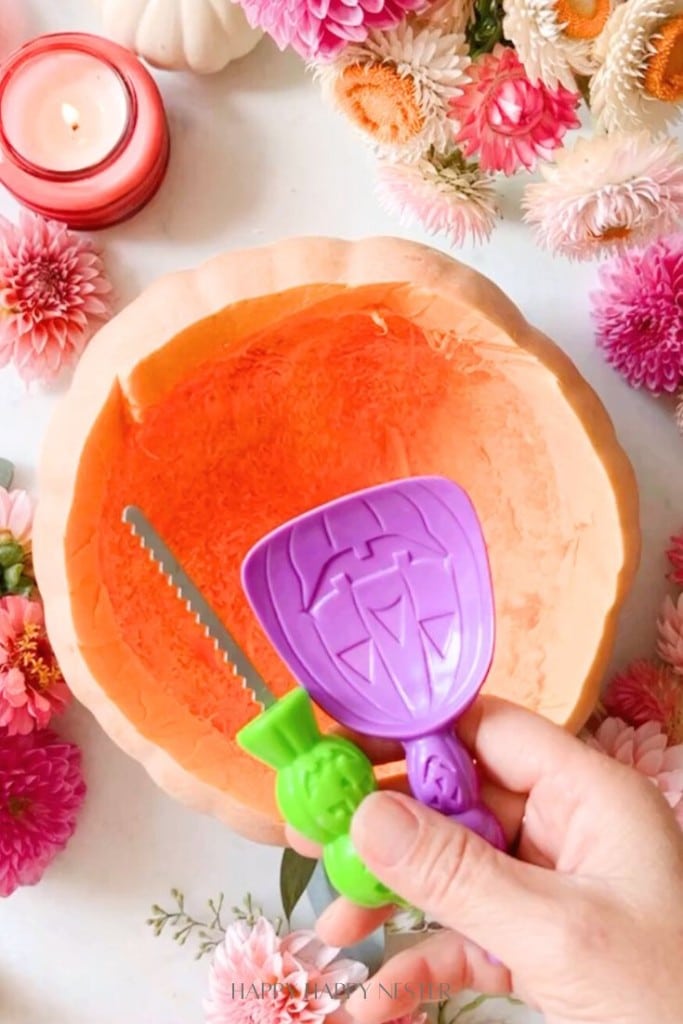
x=256, y=157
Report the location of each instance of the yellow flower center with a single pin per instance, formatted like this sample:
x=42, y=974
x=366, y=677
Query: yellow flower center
x=381, y=101
x=664, y=73
x=582, y=19
x=32, y=655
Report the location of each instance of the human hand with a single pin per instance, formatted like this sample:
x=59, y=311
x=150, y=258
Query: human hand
x=587, y=919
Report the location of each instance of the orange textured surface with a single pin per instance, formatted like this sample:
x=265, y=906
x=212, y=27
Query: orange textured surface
x=260, y=428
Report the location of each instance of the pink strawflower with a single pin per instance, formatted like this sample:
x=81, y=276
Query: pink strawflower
x=32, y=688
x=259, y=977
x=638, y=313
x=675, y=556
x=16, y=517
x=670, y=626
x=504, y=119
x=607, y=194
x=442, y=192
x=41, y=790
x=54, y=296
x=647, y=692
x=320, y=30
x=646, y=749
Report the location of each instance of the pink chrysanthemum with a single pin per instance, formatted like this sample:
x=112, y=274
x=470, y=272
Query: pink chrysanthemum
x=646, y=749
x=675, y=556
x=670, y=626
x=41, y=790
x=54, y=295
x=260, y=977
x=647, y=692
x=16, y=517
x=508, y=122
x=32, y=688
x=638, y=314
x=320, y=31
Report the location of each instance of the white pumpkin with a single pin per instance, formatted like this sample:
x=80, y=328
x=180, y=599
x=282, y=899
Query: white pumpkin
x=181, y=35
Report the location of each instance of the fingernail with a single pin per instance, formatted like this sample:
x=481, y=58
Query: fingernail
x=384, y=828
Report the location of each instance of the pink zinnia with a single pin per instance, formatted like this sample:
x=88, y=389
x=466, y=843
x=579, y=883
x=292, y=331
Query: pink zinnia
x=32, y=688
x=504, y=119
x=320, y=31
x=646, y=749
x=41, y=790
x=54, y=295
x=675, y=556
x=260, y=977
x=646, y=692
x=638, y=314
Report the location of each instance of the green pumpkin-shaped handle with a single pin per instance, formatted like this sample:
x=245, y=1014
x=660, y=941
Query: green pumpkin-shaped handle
x=321, y=780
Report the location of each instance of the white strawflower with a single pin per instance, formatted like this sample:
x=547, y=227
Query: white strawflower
x=606, y=194
x=549, y=54
x=397, y=86
x=619, y=101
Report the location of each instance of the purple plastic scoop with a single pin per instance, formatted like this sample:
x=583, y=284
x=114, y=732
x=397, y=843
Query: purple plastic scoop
x=381, y=605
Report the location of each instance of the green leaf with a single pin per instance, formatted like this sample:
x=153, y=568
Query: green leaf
x=486, y=29
x=295, y=874
x=6, y=474
x=11, y=553
x=24, y=587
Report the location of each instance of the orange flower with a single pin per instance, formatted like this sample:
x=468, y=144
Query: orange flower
x=664, y=74
x=381, y=101
x=583, y=19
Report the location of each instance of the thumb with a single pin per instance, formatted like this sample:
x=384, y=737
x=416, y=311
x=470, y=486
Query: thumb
x=453, y=875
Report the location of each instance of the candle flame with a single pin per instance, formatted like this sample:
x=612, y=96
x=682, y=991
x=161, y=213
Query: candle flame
x=70, y=115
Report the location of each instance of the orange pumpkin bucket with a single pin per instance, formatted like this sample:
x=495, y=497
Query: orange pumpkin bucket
x=229, y=399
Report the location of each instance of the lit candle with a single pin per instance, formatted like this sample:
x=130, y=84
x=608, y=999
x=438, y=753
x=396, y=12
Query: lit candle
x=83, y=132
x=65, y=111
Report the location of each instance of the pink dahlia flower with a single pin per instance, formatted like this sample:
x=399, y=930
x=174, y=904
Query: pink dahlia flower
x=260, y=977
x=54, y=294
x=32, y=688
x=675, y=556
x=670, y=627
x=638, y=315
x=41, y=790
x=647, y=692
x=646, y=749
x=320, y=30
x=504, y=119
x=16, y=517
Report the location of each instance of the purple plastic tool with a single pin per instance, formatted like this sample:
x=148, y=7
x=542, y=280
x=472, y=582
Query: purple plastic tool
x=381, y=605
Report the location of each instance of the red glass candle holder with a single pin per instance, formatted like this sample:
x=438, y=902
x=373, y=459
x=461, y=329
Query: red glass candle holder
x=115, y=186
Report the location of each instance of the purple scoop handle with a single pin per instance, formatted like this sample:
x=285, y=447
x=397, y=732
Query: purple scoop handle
x=443, y=777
